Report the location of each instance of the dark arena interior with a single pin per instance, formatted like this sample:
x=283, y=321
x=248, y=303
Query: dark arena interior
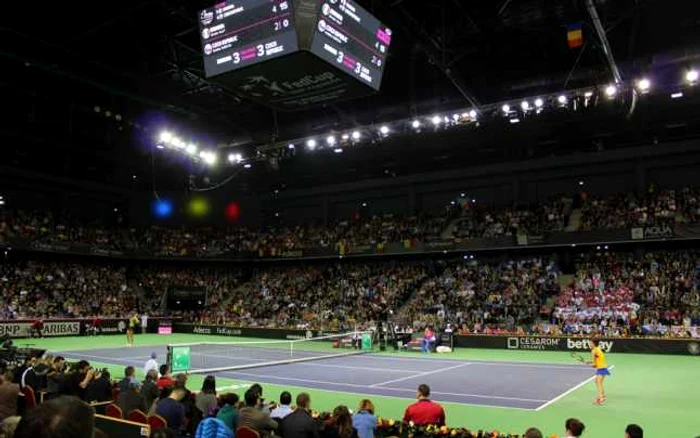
x=350, y=218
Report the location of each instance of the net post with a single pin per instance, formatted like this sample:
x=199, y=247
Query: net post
x=291, y=349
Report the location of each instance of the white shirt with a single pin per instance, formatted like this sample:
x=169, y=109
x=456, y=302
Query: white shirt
x=144, y=320
x=281, y=411
x=151, y=364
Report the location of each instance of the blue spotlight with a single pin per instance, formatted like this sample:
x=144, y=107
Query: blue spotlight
x=162, y=208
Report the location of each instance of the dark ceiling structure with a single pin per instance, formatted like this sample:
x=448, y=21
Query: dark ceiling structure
x=86, y=88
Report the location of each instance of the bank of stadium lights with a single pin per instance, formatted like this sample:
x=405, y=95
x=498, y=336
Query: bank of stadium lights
x=436, y=120
x=384, y=130
x=235, y=158
x=644, y=85
x=346, y=137
x=330, y=140
x=610, y=91
x=692, y=76
x=562, y=99
x=415, y=124
x=505, y=108
x=356, y=135
x=311, y=144
x=525, y=105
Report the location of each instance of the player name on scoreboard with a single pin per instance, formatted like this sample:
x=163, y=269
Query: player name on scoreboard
x=260, y=47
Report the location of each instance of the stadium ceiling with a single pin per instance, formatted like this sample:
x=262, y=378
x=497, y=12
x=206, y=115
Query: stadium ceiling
x=69, y=70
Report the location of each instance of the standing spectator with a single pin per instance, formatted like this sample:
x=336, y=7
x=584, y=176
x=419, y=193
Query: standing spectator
x=364, y=420
x=8, y=396
x=100, y=388
x=55, y=377
x=229, y=412
x=284, y=407
x=428, y=339
x=634, y=431
x=144, y=323
x=75, y=383
x=339, y=425
x=151, y=364
x=129, y=378
x=254, y=417
x=574, y=428
x=132, y=399
x=205, y=401
x=149, y=389
x=424, y=411
x=300, y=423
x=172, y=410
x=165, y=381
x=60, y=417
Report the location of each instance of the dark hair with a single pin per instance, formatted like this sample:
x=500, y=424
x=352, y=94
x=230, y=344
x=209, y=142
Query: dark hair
x=595, y=341
x=634, y=431
x=129, y=371
x=151, y=375
x=533, y=432
x=180, y=380
x=574, y=426
x=62, y=417
x=303, y=400
x=82, y=364
x=342, y=421
x=285, y=398
x=257, y=388
x=251, y=397
x=209, y=385
x=58, y=359
x=164, y=369
x=424, y=390
x=229, y=399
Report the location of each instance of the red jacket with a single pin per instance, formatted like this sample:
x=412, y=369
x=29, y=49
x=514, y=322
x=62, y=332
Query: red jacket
x=424, y=412
x=165, y=382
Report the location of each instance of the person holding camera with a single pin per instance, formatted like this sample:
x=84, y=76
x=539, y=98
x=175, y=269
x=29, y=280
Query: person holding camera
x=99, y=389
x=76, y=381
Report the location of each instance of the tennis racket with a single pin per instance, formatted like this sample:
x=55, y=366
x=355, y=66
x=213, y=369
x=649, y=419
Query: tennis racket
x=578, y=358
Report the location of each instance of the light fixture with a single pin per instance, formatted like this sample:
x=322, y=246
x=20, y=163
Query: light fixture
x=160, y=146
x=462, y=195
x=525, y=105
x=384, y=130
x=338, y=150
x=472, y=114
x=191, y=149
x=311, y=144
x=455, y=117
x=165, y=137
x=539, y=102
x=330, y=140
x=465, y=115
x=514, y=120
x=644, y=85
x=235, y=158
x=247, y=165
x=356, y=135
x=436, y=120
x=291, y=146
x=506, y=108
x=677, y=95
x=364, y=204
x=588, y=94
x=692, y=76
x=415, y=124
x=610, y=90
x=580, y=183
x=346, y=137
x=562, y=99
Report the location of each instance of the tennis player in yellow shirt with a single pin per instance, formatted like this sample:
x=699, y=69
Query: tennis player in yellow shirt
x=601, y=369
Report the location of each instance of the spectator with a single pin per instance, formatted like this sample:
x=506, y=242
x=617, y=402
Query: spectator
x=424, y=411
x=364, y=420
x=55, y=377
x=60, y=417
x=213, y=428
x=229, y=412
x=129, y=378
x=8, y=396
x=165, y=381
x=149, y=389
x=284, y=407
x=533, y=432
x=634, y=431
x=339, y=425
x=253, y=416
x=35, y=377
x=8, y=426
x=100, y=388
x=75, y=383
x=172, y=410
x=574, y=428
x=300, y=423
x=205, y=400
x=151, y=364
x=132, y=399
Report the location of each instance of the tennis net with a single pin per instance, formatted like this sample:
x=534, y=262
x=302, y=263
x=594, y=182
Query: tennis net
x=210, y=357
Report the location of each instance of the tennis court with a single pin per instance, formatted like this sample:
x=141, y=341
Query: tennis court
x=527, y=386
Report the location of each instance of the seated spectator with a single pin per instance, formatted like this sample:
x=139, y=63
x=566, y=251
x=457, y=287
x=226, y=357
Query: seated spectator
x=149, y=389
x=55, y=377
x=574, y=428
x=229, y=411
x=634, y=431
x=8, y=426
x=339, y=425
x=424, y=411
x=60, y=417
x=8, y=396
x=205, y=401
x=213, y=428
x=129, y=378
x=132, y=399
x=100, y=388
x=35, y=376
x=364, y=420
x=533, y=432
x=284, y=408
x=75, y=382
x=300, y=423
x=254, y=417
x=151, y=364
x=172, y=410
x=165, y=381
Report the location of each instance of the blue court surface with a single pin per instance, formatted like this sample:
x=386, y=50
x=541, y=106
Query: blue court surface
x=528, y=386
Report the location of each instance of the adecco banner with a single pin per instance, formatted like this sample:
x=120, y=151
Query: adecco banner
x=580, y=344
x=249, y=332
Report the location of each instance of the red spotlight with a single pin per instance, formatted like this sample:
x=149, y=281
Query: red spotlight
x=233, y=211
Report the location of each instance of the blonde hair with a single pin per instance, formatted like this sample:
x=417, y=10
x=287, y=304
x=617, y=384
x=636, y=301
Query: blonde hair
x=366, y=405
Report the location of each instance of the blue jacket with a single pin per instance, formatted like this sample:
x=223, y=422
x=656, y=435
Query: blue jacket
x=213, y=428
x=365, y=424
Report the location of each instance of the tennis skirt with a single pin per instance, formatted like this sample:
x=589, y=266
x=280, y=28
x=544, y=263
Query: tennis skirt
x=602, y=372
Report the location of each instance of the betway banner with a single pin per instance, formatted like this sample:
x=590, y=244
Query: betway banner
x=580, y=344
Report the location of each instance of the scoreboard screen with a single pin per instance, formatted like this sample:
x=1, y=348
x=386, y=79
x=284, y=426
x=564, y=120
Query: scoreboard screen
x=351, y=39
x=239, y=33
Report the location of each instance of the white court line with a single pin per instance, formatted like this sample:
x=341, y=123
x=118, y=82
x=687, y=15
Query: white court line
x=567, y=392
x=413, y=376
x=472, y=361
x=89, y=356
x=354, y=385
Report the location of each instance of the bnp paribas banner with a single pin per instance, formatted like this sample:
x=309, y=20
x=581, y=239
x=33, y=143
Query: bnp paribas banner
x=23, y=329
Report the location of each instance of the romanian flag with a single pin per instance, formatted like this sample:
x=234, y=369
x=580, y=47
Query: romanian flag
x=574, y=35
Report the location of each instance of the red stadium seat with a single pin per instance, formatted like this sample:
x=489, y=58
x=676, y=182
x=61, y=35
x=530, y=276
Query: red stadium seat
x=29, y=397
x=157, y=422
x=114, y=411
x=246, y=432
x=137, y=416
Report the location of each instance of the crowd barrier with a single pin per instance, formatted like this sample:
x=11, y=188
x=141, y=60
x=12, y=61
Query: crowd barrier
x=573, y=344
x=79, y=326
